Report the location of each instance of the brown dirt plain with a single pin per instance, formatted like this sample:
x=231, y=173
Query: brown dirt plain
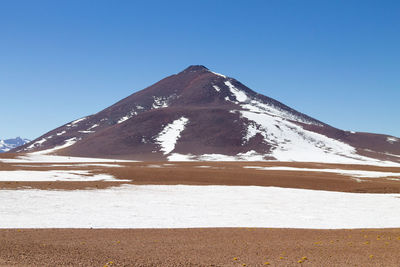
x=206, y=246
x=199, y=247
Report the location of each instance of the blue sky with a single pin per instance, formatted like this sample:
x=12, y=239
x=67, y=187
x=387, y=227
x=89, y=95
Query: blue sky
x=337, y=61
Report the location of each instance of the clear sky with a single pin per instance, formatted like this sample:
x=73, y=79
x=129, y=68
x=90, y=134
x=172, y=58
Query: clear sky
x=337, y=61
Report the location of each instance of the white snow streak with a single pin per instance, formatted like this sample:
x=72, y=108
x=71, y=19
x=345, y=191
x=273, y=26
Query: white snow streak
x=67, y=143
x=217, y=88
x=37, y=143
x=93, y=126
x=78, y=120
x=61, y=133
x=218, y=74
x=170, y=134
x=392, y=140
x=239, y=94
x=127, y=117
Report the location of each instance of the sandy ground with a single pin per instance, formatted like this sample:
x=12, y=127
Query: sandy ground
x=199, y=247
x=218, y=173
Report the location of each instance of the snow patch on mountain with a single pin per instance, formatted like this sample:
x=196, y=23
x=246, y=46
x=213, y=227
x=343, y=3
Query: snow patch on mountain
x=160, y=102
x=78, y=120
x=128, y=116
x=218, y=74
x=252, y=131
x=93, y=126
x=290, y=142
x=239, y=94
x=392, y=140
x=170, y=134
x=36, y=144
x=255, y=105
x=61, y=133
x=216, y=88
x=67, y=143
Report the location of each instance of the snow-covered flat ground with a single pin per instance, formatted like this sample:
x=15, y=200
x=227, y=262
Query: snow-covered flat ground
x=54, y=175
x=181, y=206
x=38, y=157
x=76, y=165
x=353, y=173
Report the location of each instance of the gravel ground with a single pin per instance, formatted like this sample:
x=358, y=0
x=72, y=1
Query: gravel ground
x=199, y=247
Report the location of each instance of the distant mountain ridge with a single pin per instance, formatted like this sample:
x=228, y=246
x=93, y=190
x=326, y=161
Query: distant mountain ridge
x=198, y=114
x=8, y=144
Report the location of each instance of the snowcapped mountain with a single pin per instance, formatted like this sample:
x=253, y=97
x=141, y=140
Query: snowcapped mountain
x=201, y=115
x=8, y=144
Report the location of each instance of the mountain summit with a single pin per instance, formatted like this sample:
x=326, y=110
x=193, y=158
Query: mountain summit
x=198, y=114
x=8, y=144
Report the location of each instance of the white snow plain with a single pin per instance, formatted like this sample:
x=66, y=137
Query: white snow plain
x=55, y=175
x=183, y=206
x=70, y=165
x=353, y=173
x=36, y=157
x=170, y=134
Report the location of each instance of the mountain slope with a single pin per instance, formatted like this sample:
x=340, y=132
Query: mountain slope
x=9, y=144
x=199, y=114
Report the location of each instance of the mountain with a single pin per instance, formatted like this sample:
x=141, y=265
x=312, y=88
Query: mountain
x=8, y=144
x=201, y=115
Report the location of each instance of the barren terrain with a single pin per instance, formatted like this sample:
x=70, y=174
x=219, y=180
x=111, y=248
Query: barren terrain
x=199, y=247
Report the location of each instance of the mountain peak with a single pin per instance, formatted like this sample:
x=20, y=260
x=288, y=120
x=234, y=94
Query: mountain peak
x=8, y=144
x=196, y=68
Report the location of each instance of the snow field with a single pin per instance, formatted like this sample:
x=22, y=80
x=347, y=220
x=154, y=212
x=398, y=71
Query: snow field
x=182, y=206
x=354, y=173
x=54, y=175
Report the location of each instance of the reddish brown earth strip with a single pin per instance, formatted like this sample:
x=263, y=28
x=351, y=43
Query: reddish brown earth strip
x=199, y=247
x=219, y=173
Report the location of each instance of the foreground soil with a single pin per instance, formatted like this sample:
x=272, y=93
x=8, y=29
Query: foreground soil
x=199, y=247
